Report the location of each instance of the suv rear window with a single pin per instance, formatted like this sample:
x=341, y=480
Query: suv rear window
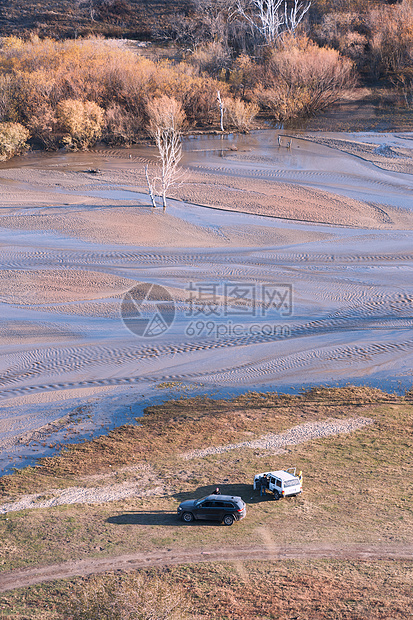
x=291, y=483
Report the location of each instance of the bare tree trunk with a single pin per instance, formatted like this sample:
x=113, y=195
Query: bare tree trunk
x=264, y=16
x=221, y=110
x=150, y=188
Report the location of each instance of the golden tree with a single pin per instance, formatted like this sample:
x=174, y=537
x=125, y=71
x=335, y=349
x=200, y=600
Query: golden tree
x=82, y=120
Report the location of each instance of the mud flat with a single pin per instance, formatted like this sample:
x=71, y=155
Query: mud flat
x=325, y=225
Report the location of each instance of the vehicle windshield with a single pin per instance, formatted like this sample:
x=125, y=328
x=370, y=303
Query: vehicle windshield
x=291, y=483
x=199, y=501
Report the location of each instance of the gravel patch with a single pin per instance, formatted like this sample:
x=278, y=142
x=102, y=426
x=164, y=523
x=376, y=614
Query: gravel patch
x=145, y=482
x=298, y=434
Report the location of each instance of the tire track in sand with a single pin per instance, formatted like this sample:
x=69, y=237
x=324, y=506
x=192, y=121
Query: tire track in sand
x=307, y=177
x=255, y=371
x=17, y=259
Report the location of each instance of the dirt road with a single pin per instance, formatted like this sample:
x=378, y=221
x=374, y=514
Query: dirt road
x=135, y=561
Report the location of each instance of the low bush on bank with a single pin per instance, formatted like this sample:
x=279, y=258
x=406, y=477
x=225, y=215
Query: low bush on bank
x=240, y=114
x=378, y=37
x=303, y=78
x=13, y=139
x=82, y=120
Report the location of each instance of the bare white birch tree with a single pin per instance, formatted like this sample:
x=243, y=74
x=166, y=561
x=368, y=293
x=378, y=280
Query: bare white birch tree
x=265, y=16
x=294, y=15
x=273, y=17
x=166, y=120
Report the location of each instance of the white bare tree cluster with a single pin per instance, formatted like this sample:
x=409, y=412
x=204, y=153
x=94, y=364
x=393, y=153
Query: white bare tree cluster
x=166, y=121
x=271, y=18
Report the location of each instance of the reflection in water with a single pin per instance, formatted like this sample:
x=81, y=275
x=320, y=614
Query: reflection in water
x=357, y=116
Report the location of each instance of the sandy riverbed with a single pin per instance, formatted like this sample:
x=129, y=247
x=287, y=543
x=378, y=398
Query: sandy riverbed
x=326, y=224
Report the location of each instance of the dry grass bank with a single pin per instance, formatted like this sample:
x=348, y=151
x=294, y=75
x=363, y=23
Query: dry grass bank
x=264, y=590
x=362, y=475
x=357, y=491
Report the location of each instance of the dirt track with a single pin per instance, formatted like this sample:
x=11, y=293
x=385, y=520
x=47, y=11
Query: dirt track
x=31, y=576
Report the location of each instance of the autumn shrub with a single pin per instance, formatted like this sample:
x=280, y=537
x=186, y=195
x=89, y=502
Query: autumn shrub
x=210, y=57
x=244, y=75
x=90, y=88
x=282, y=102
x=82, y=120
x=7, y=98
x=13, y=139
x=240, y=114
x=378, y=37
x=302, y=78
x=44, y=73
x=35, y=105
x=121, y=127
x=42, y=124
x=391, y=38
x=90, y=69
x=199, y=100
x=346, y=32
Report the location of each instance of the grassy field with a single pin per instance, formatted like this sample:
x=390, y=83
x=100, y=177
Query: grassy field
x=357, y=489
x=265, y=590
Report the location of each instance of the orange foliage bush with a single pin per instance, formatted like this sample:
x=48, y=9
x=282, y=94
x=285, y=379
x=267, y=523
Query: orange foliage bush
x=35, y=76
x=379, y=37
x=240, y=114
x=303, y=78
x=391, y=37
x=82, y=120
x=110, y=86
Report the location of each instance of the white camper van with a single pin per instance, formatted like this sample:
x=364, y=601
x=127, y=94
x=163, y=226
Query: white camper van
x=283, y=482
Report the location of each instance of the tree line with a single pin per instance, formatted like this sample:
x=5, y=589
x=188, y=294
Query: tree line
x=283, y=64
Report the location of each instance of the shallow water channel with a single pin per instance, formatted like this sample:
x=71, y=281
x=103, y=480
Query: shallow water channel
x=233, y=300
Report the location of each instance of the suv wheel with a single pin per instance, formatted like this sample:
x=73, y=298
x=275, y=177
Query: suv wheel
x=187, y=517
x=228, y=520
x=277, y=495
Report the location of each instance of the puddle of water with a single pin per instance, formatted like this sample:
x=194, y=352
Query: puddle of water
x=359, y=116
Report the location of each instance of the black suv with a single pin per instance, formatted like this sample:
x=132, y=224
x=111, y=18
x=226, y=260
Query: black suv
x=224, y=508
